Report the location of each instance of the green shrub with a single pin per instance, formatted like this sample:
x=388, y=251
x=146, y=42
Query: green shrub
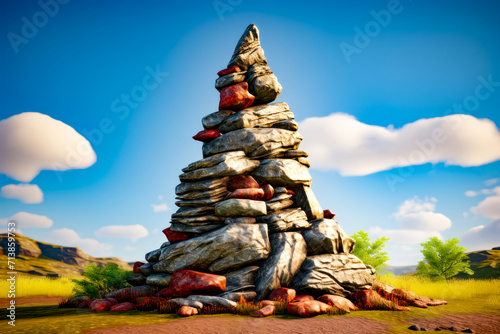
x=99, y=281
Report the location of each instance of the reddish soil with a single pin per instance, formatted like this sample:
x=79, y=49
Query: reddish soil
x=233, y=325
x=479, y=323
x=31, y=300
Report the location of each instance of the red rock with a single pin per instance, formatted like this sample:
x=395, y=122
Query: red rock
x=188, y=282
x=302, y=298
x=235, y=97
x=101, y=305
x=264, y=312
x=264, y=303
x=136, y=267
x=174, y=236
x=268, y=192
x=147, y=303
x=371, y=300
x=328, y=214
x=187, y=311
x=248, y=193
x=338, y=302
x=207, y=135
x=241, y=182
x=123, y=307
x=290, y=192
x=231, y=69
x=113, y=301
x=283, y=295
x=308, y=308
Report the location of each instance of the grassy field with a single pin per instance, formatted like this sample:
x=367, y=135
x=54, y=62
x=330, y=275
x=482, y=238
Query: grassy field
x=464, y=296
x=27, y=286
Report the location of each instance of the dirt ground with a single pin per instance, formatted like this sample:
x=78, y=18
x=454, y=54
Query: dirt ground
x=4, y=302
x=223, y=325
x=479, y=323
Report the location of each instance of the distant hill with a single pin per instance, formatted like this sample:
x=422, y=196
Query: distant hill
x=44, y=259
x=485, y=264
x=400, y=270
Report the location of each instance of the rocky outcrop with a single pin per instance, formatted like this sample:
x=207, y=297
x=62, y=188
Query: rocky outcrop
x=336, y=274
x=288, y=251
x=232, y=246
x=327, y=237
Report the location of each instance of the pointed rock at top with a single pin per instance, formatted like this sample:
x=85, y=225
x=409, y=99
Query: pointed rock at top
x=248, y=50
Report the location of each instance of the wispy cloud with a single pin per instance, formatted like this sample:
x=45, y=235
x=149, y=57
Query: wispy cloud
x=26, y=193
x=340, y=142
x=132, y=232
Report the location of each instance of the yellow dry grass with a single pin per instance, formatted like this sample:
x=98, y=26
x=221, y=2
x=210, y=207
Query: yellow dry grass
x=455, y=289
x=26, y=286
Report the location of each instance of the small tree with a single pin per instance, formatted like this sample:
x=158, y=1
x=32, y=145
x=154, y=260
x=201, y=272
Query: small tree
x=371, y=253
x=443, y=259
x=99, y=281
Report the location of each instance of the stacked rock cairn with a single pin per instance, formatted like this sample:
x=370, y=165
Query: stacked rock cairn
x=246, y=210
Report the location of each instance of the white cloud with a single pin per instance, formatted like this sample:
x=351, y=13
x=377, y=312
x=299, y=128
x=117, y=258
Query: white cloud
x=417, y=222
x=132, y=232
x=472, y=193
x=491, y=182
x=68, y=237
x=31, y=142
x=340, y=142
x=160, y=207
x=26, y=193
x=488, y=208
x=482, y=237
x=27, y=220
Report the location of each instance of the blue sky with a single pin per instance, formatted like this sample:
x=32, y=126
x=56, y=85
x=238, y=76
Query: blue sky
x=425, y=61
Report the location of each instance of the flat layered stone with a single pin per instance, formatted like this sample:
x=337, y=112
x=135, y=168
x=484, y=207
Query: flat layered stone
x=153, y=256
x=236, y=207
x=286, y=220
x=136, y=279
x=287, y=125
x=232, y=246
x=304, y=198
x=240, y=278
x=229, y=80
x=193, y=212
x=214, y=119
x=213, y=301
x=326, y=236
x=280, y=196
x=210, y=219
x=204, y=185
x=304, y=161
x=200, y=201
x=288, y=251
x=278, y=205
x=263, y=84
x=240, y=220
x=226, y=164
x=279, y=191
x=336, y=274
x=248, y=50
x=282, y=172
x=295, y=154
x=257, y=143
x=262, y=116
x=161, y=280
x=147, y=268
x=197, y=228
x=180, y=302
x=203, y=194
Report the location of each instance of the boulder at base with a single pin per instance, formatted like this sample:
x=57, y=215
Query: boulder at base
x=310, y=308
x=336, y=274
x=187, y=311
x=127, y=306
x=230, y=247
x=187, y=282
